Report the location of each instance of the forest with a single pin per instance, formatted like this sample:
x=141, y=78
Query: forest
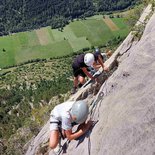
x=27, y=95
x=23, y=15
x=112, y=5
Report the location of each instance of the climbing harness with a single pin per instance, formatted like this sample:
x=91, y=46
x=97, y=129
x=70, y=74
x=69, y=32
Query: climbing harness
x=65, y=144
x=62, y=138
x=59, y=128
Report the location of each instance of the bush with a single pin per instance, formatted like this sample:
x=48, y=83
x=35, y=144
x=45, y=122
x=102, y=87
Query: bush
x=86, y=49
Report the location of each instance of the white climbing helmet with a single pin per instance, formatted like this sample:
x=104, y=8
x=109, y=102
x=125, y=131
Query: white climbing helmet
x=80, y=110
x=89, y=59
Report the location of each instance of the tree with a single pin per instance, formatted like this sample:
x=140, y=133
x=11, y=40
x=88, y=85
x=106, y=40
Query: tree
x=133, y=16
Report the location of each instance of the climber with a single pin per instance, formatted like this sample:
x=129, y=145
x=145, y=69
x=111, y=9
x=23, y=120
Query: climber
x=106, y=55
x=100, y=58
x=65, y=115
x=80, y=69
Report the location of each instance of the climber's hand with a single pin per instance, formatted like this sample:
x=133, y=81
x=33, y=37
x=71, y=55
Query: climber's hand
x=88, y=125
x=106, y=69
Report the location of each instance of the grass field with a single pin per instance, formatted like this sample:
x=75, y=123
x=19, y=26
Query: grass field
x=47, y=42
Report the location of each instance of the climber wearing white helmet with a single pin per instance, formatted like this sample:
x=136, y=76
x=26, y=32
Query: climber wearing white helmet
x=64, y=115
x=80, y=66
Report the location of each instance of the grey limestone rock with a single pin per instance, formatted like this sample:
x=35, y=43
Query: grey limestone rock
x=125, y=115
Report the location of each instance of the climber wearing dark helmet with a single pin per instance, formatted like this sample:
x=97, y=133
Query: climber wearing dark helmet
x=99, y=60
x=65, y=115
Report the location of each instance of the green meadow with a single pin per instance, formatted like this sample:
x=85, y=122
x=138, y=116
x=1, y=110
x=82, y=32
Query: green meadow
x=48, y=43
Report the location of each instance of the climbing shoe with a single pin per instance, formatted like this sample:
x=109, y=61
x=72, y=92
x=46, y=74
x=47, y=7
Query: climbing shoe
x=73, y=91
x=80, y=85
x=57, y=149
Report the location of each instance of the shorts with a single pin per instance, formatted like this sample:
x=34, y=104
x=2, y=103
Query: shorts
x=78, y=72
x=54, y=123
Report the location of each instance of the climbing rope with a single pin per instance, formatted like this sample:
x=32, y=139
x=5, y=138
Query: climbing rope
x=98, y=100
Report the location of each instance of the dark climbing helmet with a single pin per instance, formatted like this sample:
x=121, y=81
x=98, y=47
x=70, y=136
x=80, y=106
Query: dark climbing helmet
x=97, y=50
x=80, y=110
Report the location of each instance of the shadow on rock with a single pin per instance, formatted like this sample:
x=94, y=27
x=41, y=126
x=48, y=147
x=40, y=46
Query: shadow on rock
x=86, y=135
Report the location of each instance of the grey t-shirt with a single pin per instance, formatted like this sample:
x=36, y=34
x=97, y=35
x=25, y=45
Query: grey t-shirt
x=62, y=113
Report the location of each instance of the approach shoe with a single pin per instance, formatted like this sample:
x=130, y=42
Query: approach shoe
x=57, y=150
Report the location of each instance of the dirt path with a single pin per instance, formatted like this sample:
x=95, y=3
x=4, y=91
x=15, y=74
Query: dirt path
x=43, y=36
x=110, y=24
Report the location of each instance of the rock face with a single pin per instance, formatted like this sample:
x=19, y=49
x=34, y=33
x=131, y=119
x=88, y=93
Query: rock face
x=125, y=115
